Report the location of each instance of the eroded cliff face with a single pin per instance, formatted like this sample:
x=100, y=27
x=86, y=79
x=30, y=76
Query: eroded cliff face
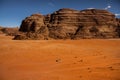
x=33, y=27
x=72, y=24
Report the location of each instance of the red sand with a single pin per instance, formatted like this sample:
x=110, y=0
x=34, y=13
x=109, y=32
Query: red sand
x=91, y=59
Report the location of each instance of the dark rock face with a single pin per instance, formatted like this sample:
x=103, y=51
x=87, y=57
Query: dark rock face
x=72, y=24
x=118, y=28
x=32, y=23
x=34, y=28
x=1, y=32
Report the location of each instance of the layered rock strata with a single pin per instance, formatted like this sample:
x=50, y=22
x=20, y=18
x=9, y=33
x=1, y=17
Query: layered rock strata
x=71, y=24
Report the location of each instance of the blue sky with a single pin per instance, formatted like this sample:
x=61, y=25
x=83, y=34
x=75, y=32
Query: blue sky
x=12, y=12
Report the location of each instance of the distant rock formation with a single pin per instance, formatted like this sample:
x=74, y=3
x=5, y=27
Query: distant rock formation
x=9, y=31
x=1, y=30
x=71, y=24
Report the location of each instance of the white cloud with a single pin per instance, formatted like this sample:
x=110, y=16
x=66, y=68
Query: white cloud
x=108, y=7
x=91, y=8
x=117, y=14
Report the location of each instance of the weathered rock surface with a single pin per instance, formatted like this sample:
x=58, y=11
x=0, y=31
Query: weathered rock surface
x=1, y=30
x=118, y=28
x=71, y=24
x=33, y=28
x=9, y=31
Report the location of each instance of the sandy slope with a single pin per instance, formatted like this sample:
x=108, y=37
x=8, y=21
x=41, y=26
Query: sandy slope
x=59, y=60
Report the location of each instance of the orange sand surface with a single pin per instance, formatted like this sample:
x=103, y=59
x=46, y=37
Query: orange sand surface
x=85, y=59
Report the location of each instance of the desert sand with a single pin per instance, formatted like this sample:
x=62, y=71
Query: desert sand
x=85, y=59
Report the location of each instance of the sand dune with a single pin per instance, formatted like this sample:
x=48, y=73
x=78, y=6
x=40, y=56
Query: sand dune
x=85, y=59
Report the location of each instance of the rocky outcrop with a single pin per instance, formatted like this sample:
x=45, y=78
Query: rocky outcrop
x=71, y=24
x=9, y=31
x=32, y=23
x=33, y=28
x=1, y=30
x=118, y=28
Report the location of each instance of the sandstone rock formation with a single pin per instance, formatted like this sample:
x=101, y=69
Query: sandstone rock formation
x=71, y=24
x=1, y=30
x=118, y=28
x=9, y=31
x=34, y=27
